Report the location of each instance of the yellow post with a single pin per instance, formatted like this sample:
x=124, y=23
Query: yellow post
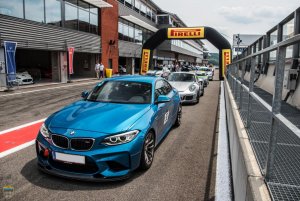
x=108, y=72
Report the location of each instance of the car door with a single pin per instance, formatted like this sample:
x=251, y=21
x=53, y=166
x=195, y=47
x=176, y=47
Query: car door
x=197, y=83
x=169, y=91
x=162, y=117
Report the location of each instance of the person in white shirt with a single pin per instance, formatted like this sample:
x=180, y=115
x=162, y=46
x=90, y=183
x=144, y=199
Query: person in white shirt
x=124, y=70
x=165, y=71
x=101, y=70
x=97, y=70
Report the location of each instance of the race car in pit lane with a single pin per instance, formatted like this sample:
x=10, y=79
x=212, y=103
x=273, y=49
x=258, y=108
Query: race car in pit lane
x=111, y=132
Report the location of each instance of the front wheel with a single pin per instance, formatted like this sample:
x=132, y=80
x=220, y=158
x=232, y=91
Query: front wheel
x=148, y=151
x=202, y=92
x=198, y=97
x=178, y=118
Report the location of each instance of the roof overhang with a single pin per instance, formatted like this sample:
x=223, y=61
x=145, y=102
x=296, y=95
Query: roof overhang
x=99, y=3
x=139, y=22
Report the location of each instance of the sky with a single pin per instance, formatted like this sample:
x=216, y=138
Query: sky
x=231, y=16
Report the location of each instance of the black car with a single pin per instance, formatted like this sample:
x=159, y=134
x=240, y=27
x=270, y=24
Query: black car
x=186, y=68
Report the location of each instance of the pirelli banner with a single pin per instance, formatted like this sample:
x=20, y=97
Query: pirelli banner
x=186, y=33
x=145, y=61
x=226, y=60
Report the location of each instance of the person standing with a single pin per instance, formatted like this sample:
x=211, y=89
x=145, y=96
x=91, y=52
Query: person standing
x=101, y=70
x=97, y=70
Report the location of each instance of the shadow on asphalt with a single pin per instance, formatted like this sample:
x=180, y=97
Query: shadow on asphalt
x=38, y=178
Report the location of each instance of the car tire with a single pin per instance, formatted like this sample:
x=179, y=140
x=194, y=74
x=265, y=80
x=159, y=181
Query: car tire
x=202, y=92
x=147, y=155
x=198, y=97
x=178, y=117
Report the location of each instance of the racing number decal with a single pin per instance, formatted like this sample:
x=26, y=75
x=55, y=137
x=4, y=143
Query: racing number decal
x=166, y=117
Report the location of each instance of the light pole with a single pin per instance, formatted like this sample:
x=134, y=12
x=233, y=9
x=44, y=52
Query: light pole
x=238, y=43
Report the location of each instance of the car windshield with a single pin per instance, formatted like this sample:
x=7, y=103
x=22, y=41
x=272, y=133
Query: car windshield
x=151, y=73
x=181, y=77
x=122, y=92
x=201, y=73
x=205, y=69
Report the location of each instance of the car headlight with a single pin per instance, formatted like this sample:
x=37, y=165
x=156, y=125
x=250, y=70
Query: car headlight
x=120, y=138
x=44, y=131
x=192, y=88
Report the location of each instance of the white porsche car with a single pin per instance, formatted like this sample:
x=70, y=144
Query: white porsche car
x=190, y=88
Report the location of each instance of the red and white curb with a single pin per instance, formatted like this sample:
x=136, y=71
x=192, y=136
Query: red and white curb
x=18, y=138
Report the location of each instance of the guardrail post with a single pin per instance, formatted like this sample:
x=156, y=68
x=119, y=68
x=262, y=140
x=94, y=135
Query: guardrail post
x=242, y=82
x=229, y=75
x=236, y=80
x=251, y=87
x=296, y=31
x=232, y=77
x=276, y=107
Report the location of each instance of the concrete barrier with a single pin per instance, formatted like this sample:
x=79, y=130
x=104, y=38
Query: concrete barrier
x=248, y=182
x=223, y=190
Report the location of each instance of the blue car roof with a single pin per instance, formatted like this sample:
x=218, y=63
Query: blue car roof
x=136, y=78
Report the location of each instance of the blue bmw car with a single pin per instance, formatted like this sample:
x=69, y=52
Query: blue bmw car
x=111, y=132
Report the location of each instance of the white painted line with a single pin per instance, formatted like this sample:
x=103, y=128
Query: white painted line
x=15, y=149
x=51, y=88
x=21, y=126
x=223, y=191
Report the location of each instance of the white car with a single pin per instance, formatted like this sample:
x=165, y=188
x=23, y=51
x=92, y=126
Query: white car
x=190, y=88
x=159, y=73
x=209, y=72
x=24, y=78
x=156, y=73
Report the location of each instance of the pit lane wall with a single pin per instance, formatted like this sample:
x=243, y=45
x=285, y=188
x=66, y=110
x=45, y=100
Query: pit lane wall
x=248, y=183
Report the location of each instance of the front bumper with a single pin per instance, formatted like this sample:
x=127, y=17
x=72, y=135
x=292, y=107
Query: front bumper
x=108, y=163
x=188, y=97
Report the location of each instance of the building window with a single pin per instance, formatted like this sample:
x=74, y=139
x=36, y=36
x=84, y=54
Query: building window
x=163, y=19
x=153, y=16
x=120, y=30
x=34, y=10
x=128, y=3
x=132, y=32
x=78, y=14
x=288, y=32
x=94, y=20
x=84, y=16
x=143, y=9
x=138, y=35
x=71, y=15
x=148, y=13
x=137, y=5
x=12, y=8
x=53, y=12
x=125, y=31
x=273, y=41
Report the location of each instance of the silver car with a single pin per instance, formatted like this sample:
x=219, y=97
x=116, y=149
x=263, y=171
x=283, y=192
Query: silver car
x=190, y=88
x=208, y=71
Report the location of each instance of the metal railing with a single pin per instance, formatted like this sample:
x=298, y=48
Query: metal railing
x=251, y=105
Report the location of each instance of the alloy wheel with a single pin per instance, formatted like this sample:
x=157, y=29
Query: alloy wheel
x=149, y=148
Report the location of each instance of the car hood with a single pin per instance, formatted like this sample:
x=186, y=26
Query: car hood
x=205, y=77
x=181, y=86
x=98, y=117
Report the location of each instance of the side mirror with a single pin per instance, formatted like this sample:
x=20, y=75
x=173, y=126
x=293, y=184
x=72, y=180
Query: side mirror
x=162, y=99
x=84, y=94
